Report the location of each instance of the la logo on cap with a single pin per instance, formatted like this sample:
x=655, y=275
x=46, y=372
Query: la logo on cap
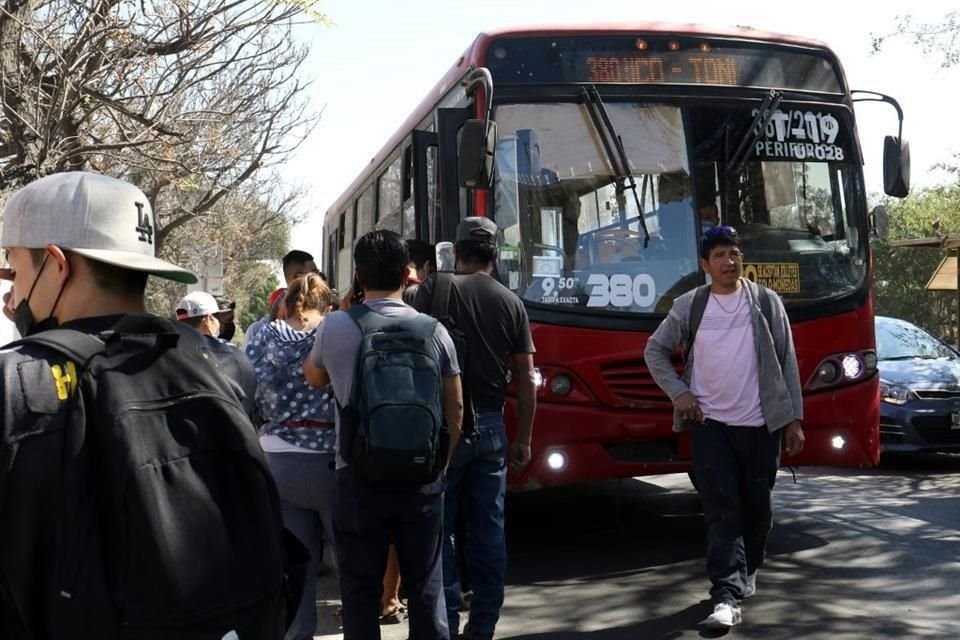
x=144, y=228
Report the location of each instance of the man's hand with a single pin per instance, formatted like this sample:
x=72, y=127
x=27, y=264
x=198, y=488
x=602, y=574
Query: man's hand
x=688, y=408
x=793, y=438
x=519, y=456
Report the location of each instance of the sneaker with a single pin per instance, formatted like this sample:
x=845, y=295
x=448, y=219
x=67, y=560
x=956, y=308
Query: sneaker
x=724, y=616
x=751, y=587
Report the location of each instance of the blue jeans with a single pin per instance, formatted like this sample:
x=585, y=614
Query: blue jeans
x=365, y=521
x=478, y=474
x=735, y=469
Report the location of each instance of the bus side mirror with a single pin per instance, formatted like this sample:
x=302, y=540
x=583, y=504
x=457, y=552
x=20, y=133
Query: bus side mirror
x=478, y=141
x=896, y=167
x=880, y=218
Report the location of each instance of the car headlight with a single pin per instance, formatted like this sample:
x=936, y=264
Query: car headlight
x=895, y=393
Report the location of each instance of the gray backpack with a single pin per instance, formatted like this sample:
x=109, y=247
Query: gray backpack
x=391, y=431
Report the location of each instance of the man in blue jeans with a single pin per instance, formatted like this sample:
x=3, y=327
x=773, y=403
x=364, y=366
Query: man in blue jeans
x=497, y=335
x=367, y=519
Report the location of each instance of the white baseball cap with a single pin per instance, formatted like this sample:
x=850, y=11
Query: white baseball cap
x=198, y=304
x=96, y=216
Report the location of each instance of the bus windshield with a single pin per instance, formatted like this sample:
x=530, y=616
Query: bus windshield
x=572, y=232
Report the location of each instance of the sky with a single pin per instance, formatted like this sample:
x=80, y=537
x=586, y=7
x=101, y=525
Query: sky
x=379, y=58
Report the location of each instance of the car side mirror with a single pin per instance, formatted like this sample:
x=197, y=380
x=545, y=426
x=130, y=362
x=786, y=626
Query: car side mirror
x=478, y=141
x=896, y=167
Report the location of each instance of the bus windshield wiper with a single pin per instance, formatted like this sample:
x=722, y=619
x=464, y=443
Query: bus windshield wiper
x=613, y=146
x=745, y=149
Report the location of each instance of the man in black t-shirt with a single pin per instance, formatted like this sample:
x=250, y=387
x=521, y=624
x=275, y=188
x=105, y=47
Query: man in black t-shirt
x=497, y=331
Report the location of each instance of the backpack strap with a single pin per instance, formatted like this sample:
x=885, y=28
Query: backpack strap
x=134, y=332
x=76, y=345
x=80, y=498
x=443, y=285
x=370, y=321
x=696, y=315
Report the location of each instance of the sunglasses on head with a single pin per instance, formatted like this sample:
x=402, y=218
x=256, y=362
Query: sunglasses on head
x=720, y=230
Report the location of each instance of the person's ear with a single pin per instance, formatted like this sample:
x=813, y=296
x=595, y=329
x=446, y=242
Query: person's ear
x=64, y=268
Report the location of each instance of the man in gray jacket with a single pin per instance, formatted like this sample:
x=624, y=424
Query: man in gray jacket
x=740, y=395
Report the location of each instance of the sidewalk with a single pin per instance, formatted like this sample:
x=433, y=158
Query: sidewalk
x=328, y=601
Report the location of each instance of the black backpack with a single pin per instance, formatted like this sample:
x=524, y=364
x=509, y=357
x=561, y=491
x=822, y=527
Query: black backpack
x=392, y=429
x=440, y=309
x=171, y=524
x=699, y=304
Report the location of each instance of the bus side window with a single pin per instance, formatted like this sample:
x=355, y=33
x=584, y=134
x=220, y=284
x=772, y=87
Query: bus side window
x=364, y=212
x=344, y=260
x=332, y=253
x=406, y=196
x=388, y=187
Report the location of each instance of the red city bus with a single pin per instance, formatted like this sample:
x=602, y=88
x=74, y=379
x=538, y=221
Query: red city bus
x=615, y=147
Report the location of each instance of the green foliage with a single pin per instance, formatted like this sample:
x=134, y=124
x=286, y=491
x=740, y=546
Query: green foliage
x=901, y=273
x=257, y=306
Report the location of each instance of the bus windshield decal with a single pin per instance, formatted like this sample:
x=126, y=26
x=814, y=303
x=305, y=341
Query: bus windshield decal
x=801, y=135
x=782, y=277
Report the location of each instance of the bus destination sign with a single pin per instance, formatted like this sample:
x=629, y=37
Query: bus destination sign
x=662, y=61
x=686, y=68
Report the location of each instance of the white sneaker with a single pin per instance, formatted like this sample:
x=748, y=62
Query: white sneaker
x=724, y=616
x=751, y=587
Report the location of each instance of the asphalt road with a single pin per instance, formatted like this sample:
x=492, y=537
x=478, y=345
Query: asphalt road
x=854, y=554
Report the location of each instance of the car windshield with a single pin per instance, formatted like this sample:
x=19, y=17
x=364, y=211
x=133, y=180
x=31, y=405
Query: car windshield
x=898, y=340
x=572, y=237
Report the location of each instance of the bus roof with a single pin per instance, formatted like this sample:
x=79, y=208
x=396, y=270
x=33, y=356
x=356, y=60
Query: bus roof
x=475, y=52
x=651, y=28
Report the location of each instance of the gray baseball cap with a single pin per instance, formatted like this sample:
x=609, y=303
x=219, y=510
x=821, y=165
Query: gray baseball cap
x=98, y=217
x=477, y=229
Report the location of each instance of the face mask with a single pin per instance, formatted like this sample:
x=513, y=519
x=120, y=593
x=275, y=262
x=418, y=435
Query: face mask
x=227, y=329
x=23, y=317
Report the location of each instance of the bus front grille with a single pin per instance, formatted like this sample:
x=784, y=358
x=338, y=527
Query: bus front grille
x=630, y=383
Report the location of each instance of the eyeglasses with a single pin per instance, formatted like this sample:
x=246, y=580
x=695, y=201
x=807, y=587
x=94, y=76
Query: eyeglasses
x=719, y=231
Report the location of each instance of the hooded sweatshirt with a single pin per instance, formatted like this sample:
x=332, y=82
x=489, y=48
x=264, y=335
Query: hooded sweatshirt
x=292, y=410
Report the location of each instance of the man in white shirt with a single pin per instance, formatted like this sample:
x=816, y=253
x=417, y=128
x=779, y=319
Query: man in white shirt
x=741, y=397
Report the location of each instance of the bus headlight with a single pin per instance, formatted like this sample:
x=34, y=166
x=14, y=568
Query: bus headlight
x=852, y=367
x=827, y=372
x=838, y=442
x=561, y=385
x=557, y=460
x=843, y=369
x=537, y=378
